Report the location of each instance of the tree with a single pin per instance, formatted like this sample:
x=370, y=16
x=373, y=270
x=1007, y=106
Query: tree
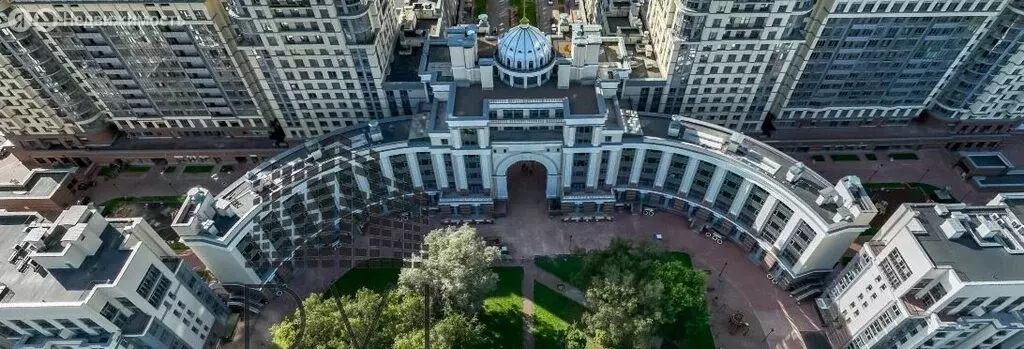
x=624, y=311
x=683, y=300
x=457, y=269
x=453, y=332
x=374, y=325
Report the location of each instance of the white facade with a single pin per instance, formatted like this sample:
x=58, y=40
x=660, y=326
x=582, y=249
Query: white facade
x=935, y=276
x=84, y=281
x=596, y=156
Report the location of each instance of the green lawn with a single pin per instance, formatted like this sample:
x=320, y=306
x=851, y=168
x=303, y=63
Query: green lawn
x=566, y=267
x=552, y=314
x=844, y=157
x=376, y=275
x=503, y=311
x=526, y=8
x=703, y=339
x=903, y=156
x=137, y=168
x=871, y=156
x=111, y=206
x=109, y=172
x=924, y=188
x=818, y=158
x=479, y=7
x=198, y=169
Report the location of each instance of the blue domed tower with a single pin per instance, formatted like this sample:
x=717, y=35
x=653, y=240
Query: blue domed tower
x=525, y=56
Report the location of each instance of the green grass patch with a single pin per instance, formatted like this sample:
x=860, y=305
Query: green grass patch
x=479, y=7
x=552, y=315
x=170, y=169
x=109, y=172
x=818, y=158
x=198, y=169
x=376, y=275
x=844, y=157
x=525, y=8
x=702, y=337
x=137, y=168
x=903, y=156
x=869, y=232
x=502, y=315
x=177, y=246
x=566, y=267
x=112, y=205
x=871, y=156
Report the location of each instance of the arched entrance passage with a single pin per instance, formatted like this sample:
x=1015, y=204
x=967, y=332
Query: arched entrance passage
x=501, y=171
x=526, y=183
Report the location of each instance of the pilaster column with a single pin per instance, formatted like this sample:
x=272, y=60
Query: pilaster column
x=638, y=163
x=459, y=160
x=595, y=137
x=666, y=160
x=387, y=171
x=691, y=171
x=716, y=185
x=765, y=212
x=569, y=134
x=483, y=136
x=567, y=167
x=485, y=169
x=456, y=138
x=610, y=173
x=741, y=198
x=440, y=174
x=414, y=170
x=593, y=165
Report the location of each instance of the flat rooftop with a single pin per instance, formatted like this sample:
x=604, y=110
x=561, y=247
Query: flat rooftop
x=40, y=183
x=470, y=100
x=405, y=67
x=58, y=285
x=971, y=261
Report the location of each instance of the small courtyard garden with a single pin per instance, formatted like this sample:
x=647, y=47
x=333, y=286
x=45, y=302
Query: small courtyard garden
x=637, y=297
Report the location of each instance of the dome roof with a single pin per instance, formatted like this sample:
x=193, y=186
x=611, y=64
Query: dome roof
x=524, y=48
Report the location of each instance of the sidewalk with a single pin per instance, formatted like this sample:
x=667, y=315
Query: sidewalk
x=156, y=183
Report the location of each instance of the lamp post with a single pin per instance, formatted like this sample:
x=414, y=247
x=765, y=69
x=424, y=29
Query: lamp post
x=765, y=340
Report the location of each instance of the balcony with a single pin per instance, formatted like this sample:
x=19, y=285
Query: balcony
x=915, y=307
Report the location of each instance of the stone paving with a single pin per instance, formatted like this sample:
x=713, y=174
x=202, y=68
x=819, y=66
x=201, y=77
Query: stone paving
x=157, y=183
x=934, y=166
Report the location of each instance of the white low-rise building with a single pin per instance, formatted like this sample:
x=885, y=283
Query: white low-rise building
x=522, y=99
x=84, y=281
x=935, y=276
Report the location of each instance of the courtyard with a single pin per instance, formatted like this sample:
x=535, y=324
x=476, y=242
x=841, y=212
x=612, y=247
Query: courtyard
x=735, y=284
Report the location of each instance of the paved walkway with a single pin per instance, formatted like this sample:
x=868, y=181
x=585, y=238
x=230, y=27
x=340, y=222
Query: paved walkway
x=555, y=283
x=157, y=183
x=934, y=166
x=528, y=305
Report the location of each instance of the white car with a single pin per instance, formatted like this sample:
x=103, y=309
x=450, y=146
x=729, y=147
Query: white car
x=551, y=2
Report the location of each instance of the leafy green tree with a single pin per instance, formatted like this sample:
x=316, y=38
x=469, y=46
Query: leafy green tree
x=683, y=300
x=375, y=326
x=453, y=332
x=457, y=268
x=625, y=313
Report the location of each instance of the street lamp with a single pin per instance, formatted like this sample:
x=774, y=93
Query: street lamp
x=765, y=340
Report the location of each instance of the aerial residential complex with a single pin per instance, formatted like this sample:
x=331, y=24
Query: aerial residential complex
x=935, y=276
x=221, y=76
x=84, y=281
x=594, y=156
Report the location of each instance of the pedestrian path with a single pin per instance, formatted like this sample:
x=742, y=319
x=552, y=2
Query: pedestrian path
x=527, y=290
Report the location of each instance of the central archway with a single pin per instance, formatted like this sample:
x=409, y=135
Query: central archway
x=503, y=166
x=526, y=181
